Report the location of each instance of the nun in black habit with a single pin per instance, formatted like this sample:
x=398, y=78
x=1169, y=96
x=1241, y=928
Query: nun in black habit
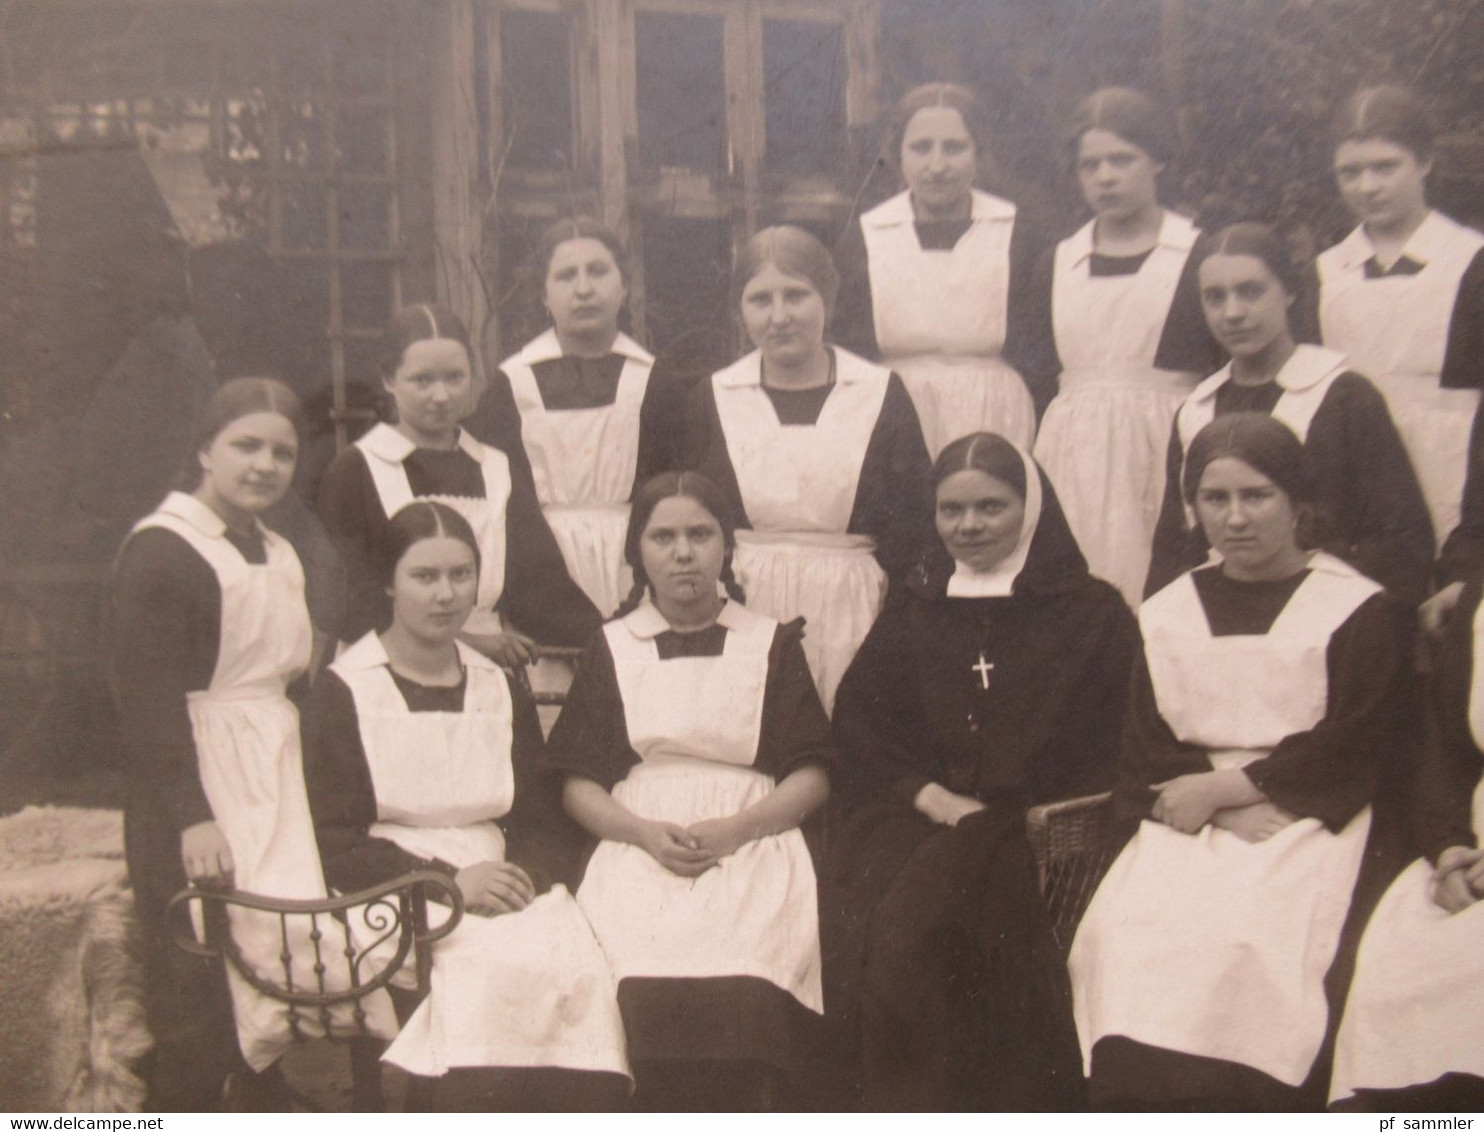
x=993, y=681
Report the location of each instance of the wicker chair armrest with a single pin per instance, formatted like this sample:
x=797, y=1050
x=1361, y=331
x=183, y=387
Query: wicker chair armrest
x=395, y=910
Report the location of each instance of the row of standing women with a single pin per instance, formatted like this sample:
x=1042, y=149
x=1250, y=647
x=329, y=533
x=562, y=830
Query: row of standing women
x=819, y=456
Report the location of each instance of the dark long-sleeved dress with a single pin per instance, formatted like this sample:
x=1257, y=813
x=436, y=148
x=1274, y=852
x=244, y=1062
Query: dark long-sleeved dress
x=538, y=596
x=949, y=305
x=829, y=489
x=1223, y=990
x=1364, y=481
x=938, y=945
x=705, y=997
x=592, y=431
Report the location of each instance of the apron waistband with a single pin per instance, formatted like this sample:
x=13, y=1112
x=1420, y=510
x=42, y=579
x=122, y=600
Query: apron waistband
x=241, y=694
x=950, y=361
x=1235, y=759
x=808, y=540
x=1135, y=376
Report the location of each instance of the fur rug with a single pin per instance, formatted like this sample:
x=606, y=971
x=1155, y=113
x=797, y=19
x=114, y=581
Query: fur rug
x=72, y=1000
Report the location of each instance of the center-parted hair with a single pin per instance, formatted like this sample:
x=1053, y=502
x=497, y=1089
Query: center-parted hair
x=986, y=452
x=232, y=400
x=792, y=251
x=1268, y=446
x=1132, y=115
x=421, y=519
x=1252, y=239
x=1389, y=112
x=669, y=485
x=949, y=96
x=418, y=323
x=560, y=232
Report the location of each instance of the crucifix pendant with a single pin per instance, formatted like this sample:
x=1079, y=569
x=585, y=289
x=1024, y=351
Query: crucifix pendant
x=984, y=668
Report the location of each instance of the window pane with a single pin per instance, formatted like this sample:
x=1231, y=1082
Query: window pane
x=804, y=96
x=366, y=295
x=362, y=138
x=365, y=216
x=687, y=277
x=303, y=216
x=681, y=90
x=536, y=85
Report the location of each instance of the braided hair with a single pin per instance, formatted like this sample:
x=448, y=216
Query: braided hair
x=668, y=485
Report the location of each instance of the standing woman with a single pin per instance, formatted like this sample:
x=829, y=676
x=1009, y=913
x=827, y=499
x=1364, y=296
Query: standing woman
x=524, y=587
x=584, y=401
x=819, y=450
x=419, y=756
x=936, y=278
x=1270, y=708
x=1123, y=326
x=1362, y=477
x=1403, y=295
x=694, y=745
x=209, y=628
x=994, y=680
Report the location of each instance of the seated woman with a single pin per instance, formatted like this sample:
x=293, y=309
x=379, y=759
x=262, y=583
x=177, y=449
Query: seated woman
x=995, y=680
x=694, y=745
x=419, y=756
x=1362, y=475
x=1269, y=708
x=1412, y=1038
x=524, y=587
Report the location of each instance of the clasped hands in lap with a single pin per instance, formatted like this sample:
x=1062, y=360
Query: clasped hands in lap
x=1226, y=799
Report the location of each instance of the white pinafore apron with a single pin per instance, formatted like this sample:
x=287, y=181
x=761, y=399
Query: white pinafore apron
x=520, y=990
x=1416, y=1007
x=695, y=722
x=798, y=485
x=385, y=449
x=1395, y=331
x=1104, y=438
x=583, y=461
x=1305, y=380
x=247, y=745
x=941, y=318
x=1208, y=944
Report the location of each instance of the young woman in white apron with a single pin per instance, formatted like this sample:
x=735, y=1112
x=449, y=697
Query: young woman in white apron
x=1412, y=1038
x=693, y=745
x=209, y=628
x=934, y=277
x=524, y=588
x=1125, y=334
x=818, y=449
x=1269, y=706
x=418, y=757
x=586, y=404
x=1362, y=476
x=1403, y=295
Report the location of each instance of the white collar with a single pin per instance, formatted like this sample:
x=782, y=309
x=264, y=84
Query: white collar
x=898, y=210
x=387, y=444
x=849, y=369
x=999, y=580
x=186, y=507
x=369, y=652
x=1434, y=237
x=1175, y=232
x=545, y=347
x=646, y=622
x=1308, y=366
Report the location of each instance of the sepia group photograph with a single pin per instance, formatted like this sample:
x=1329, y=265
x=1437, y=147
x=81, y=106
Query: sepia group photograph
x=741, y=556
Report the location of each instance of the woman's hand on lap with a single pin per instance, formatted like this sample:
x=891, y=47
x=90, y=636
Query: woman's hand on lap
x=1187, y=803
x=207, y=857
x=1256, y=822
x=492, y=888
x=944, y=806
x=1458, y=881
x=717, y=837
x=676, y=849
